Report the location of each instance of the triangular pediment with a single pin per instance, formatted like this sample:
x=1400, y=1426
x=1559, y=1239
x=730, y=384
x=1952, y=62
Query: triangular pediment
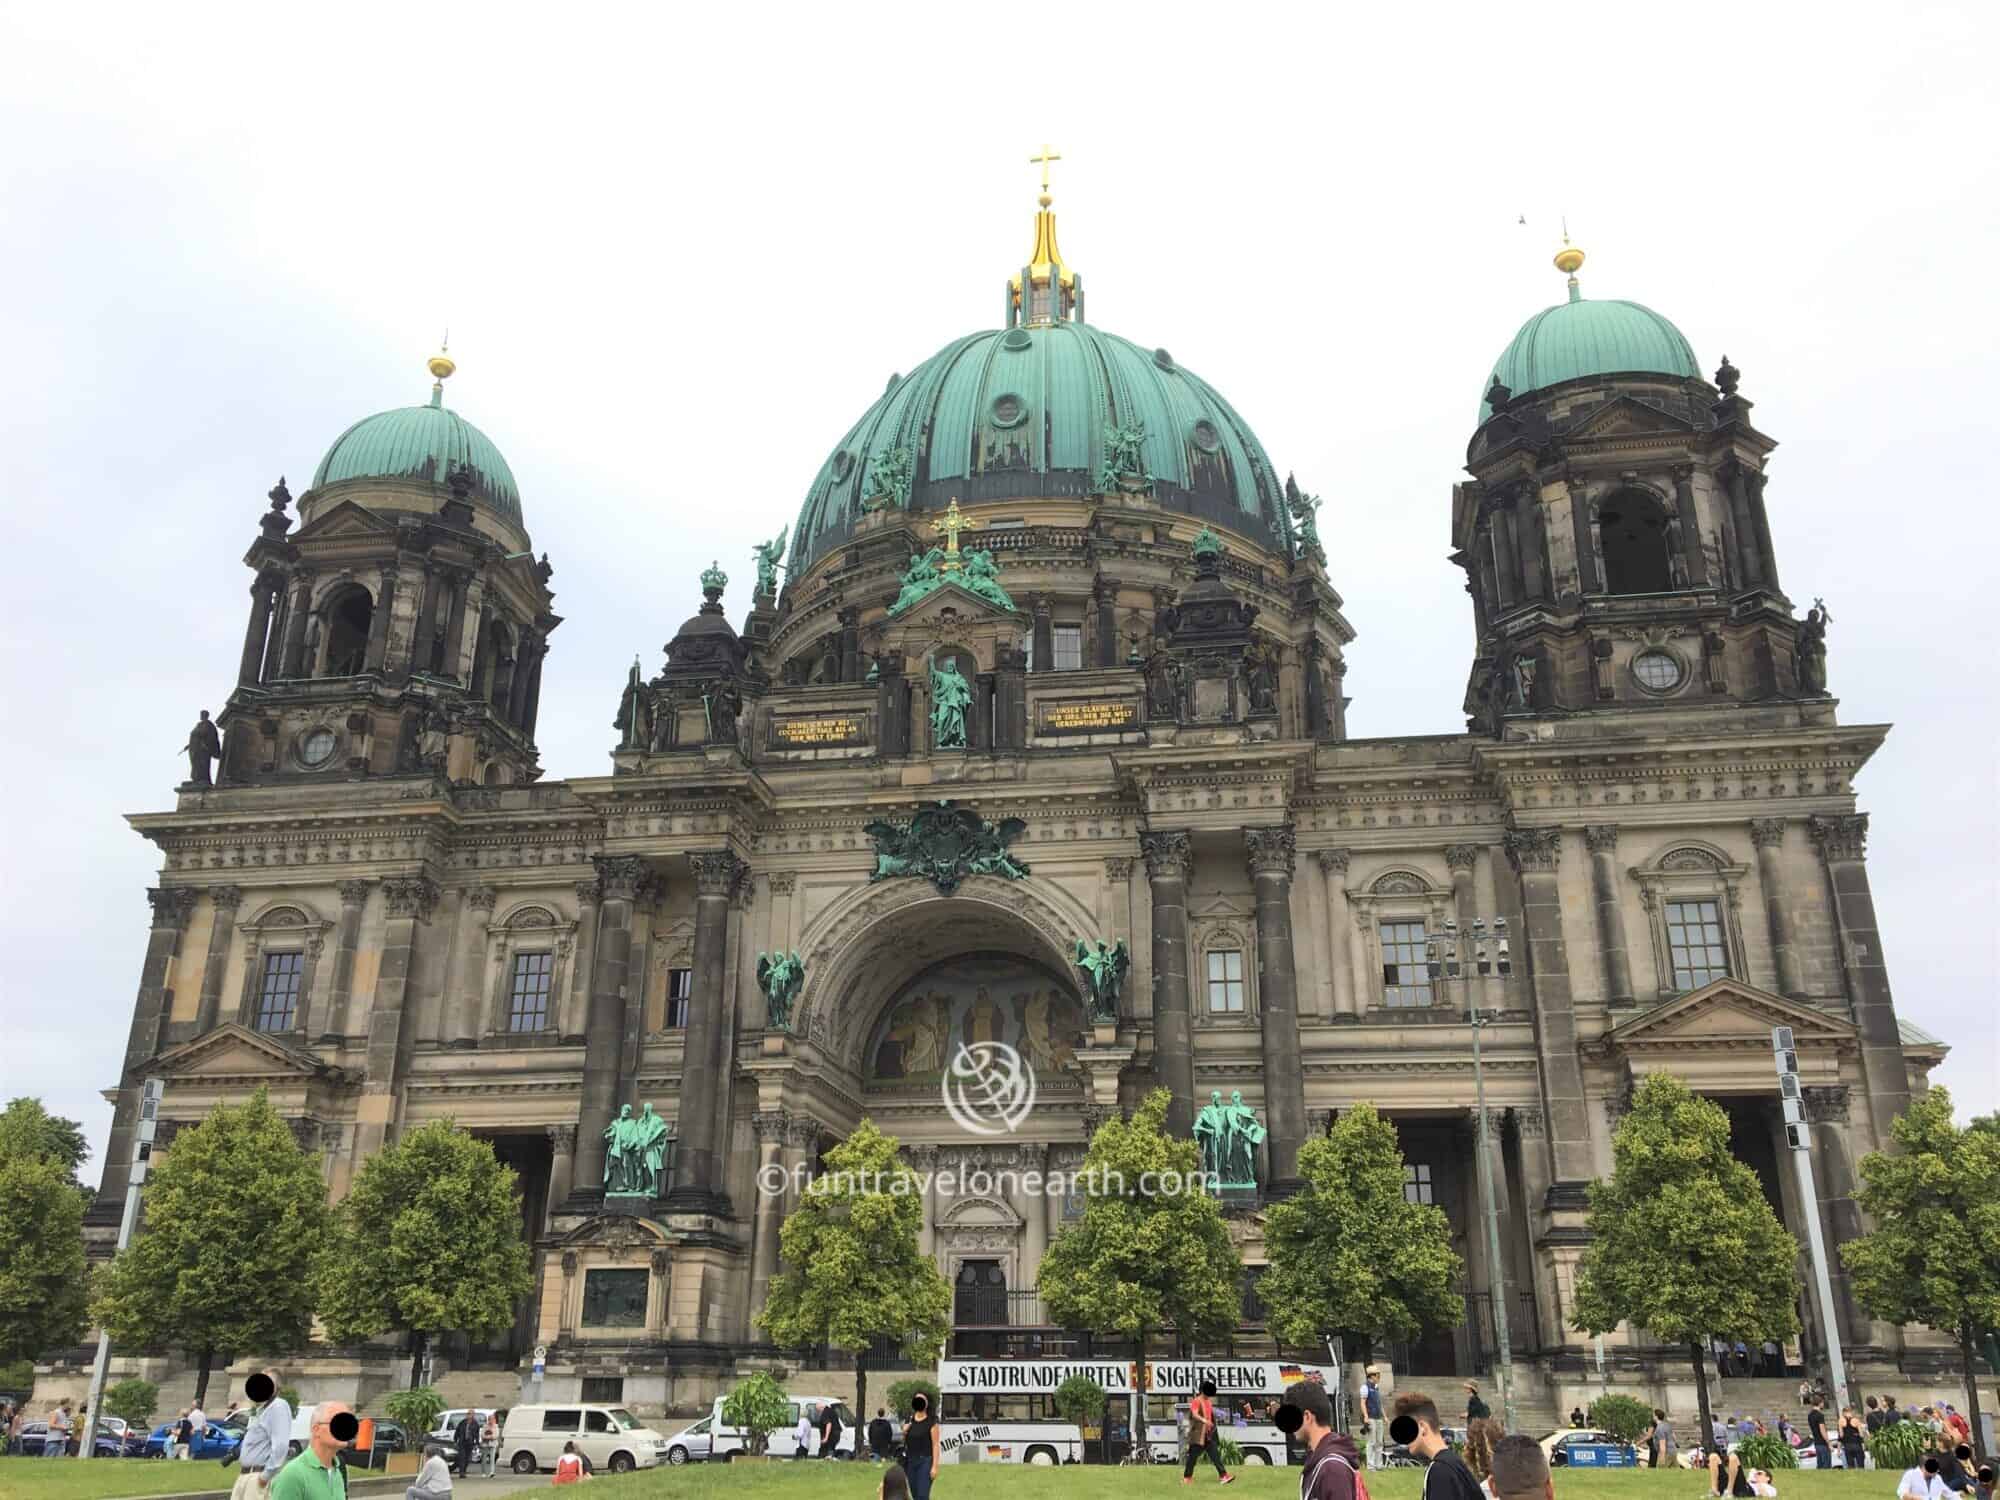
x=233, y=1051
x=345, y=520
x=1623, y=416
x=1728, y=1010
x=960, y=601
x=616, y=1232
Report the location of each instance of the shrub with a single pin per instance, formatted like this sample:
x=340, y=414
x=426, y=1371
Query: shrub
x=134, y=1400
x=1080, y=1399
x=1766, y=1450
x=903, y=1393
x=417, y=1409
x=1231, y=1451
x=1898, y=1445
x=1624, y=1418
x=756, y=1407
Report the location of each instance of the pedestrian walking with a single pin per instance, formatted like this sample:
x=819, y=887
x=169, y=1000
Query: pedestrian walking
x=267, y=1441
x=317, y=1473
x=489, y=1445
x=923, y=1448
x=1853, y=1442
x=1816, y=1426
x=198, y=1420
x=1474, y=1407
x=803, y=1433
x=881, y=1435
x=434, y=1478
x=829, y=1431
x=1416, y=1427
x=1662, y=1443
x=186, y=1433
x=1201, y=1435
x=1330, y=1460
x=1371, y=1411
x=56, y=1444
x=465, y=1440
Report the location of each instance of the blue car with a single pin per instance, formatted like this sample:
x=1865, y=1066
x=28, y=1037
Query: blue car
x=214, y=1441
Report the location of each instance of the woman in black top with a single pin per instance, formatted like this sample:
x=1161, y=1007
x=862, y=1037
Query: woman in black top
x=923, y=1448
x=1853, y=1442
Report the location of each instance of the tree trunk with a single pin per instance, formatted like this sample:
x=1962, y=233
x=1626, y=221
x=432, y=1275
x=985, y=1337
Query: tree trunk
x=860, y=1397
x=419, y=1344
x=207, y=1357
x=1971, y=1392
x=1701, y=1396
x=1138, y=1423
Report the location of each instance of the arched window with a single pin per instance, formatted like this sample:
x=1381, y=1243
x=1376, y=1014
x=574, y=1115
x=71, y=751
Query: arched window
x=349, y=614
x=1632, y=536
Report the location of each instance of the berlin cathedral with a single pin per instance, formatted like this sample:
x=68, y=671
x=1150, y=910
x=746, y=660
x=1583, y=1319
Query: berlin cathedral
x=1051, y=661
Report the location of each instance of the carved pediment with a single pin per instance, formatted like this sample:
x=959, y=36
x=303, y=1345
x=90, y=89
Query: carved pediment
x=616, y=1232
x=962, y=602
x=1732, y=1012
x=1623, y=416
x=980, y=1214
x=233, y=1051
x=346, y=521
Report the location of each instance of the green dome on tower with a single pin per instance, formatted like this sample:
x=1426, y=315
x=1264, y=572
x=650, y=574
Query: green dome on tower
x=1581, y=337
x=424, y=443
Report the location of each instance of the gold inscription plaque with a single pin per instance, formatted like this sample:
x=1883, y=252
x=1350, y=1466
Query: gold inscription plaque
x=1089, y=715
x=819, y=730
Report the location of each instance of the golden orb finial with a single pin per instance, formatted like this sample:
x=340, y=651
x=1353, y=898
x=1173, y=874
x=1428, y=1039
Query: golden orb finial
x=442, y=365
x=1569, y=258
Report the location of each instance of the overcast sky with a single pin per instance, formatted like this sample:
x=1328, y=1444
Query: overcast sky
x=681, y=248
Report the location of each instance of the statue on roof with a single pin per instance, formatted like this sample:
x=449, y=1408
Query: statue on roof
x=981, y=575
x=889, y=475
x=1124, y=465
x=204, y=747
x=767, y=555
x=1302, y=507
x=924, y=573
x=1106, y=965
x=1809, y=650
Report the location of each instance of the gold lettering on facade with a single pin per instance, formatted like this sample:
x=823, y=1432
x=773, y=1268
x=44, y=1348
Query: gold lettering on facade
x=1107, y=713
x=838, y=730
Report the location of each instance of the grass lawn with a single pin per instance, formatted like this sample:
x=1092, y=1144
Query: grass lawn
x=99, y=1478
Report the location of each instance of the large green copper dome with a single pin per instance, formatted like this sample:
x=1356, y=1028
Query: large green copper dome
x=422, y=443
x=1580, y=337
x=1026, y=412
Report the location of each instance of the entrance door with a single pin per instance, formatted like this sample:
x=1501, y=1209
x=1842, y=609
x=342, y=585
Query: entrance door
x=979, y=1303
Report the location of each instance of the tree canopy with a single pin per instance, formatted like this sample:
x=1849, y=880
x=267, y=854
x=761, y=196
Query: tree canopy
x=1152, y=1248
x=428, y=1239
x=853, y=1268
x=235, y=1213
x=44, y=1283
x=1683, y=1241
x=1350, y=1251
x=27, y=1129
x=1933, y=1256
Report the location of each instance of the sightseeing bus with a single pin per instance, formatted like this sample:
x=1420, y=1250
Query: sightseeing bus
x=1003, y=1410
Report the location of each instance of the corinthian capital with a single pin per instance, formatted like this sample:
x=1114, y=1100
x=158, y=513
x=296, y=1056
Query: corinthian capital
x=1533, y=848
x=173, y=904
x=1272, y=851
x=716, y=874
x=410, y=896
x=622, y=876
x=1767, y=833
x=1168, y=854
x=1601, y=838
x=1332, y=861
x=226, y=897
x=1460, y=856
x=1844, y=836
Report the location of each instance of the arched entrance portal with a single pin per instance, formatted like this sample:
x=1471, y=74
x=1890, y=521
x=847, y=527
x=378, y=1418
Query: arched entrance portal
x=976, y=997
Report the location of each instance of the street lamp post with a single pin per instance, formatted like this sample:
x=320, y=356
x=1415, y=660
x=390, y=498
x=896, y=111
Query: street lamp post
x=1798, y=1138
x=1443, y=960
x=150, y=1094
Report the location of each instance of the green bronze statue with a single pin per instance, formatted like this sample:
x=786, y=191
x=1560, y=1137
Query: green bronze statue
x=1105, y=965
x=635, y=1153
x=1228, y=1135
x=780, y=976
x=951, y=701
x=767, y=555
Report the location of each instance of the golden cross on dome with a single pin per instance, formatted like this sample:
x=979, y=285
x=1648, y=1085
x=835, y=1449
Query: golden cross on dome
x=1048, y=154
x=950, y=524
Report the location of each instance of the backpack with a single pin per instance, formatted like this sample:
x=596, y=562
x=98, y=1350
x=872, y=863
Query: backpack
x=1360, y=1484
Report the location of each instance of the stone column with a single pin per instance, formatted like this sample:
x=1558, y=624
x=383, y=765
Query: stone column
x=769, y=1218
x=923, y=1159
x=850, y=642
x=172, y=905
x=1272, y=860
x=262, y=593
x=1840, y=1215
x=1168, y=855
x=562, y=1168
x=1768, y=834
x=225, y=899
x=1692, y=553
x=576, y=1015
x=1340, y=930
x=408, y=900
x=622, y=878
x=1749, y=557
x=423, y=640
x=468, y=1020
x=378, y=622
x=1034, y=1159
x=698, y=1186
x=292, y=663
x=1104, y=596
x=1534, y=1188
x=1045, y=634
x=1535, y=854
x=526, y=654
x=353, y=897
x=1602, y=840
x=1842, y=841
x=531, y=707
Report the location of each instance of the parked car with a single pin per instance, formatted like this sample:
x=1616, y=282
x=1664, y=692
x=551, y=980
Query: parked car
x=690, y=1445
x=447, y=1423
x=212, y=1442
x=610, y=1437
x=1588, y=1448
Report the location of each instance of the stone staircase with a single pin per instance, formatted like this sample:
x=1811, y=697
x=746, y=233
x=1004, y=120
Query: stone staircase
x=498, y=1388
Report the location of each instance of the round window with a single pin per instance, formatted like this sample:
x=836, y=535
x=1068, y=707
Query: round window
x=316, y=746
x=1016, y=339
x=843, y=464
x=1657, y=672
x=1206, y=437
x=1009, y=410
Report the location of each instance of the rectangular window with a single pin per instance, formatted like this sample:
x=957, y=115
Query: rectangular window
x=614, y=1299
x=528, y=998
x=1417, y=1182
x=609, y=1389
x=1069, y=648
x=565, y=1419
x=278, y=1000
x=1405, y=980
x=1225, y=981
x=1694, y=943
x=680, y=989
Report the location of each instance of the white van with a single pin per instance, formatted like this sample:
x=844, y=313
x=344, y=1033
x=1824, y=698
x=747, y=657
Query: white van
x=726, y=1441
x=609, y=1436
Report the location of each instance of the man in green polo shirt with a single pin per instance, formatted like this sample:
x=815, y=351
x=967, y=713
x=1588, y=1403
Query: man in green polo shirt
x=314, y=1474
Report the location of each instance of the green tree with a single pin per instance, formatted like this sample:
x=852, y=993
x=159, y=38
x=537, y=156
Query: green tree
x=44, y=1282
x=899, y=1398
x=1683, y=1241
x=853, y=1270
x=1350, y=1251
x=1624, y=1417
x=757, y=1406
x=1151, y=1249
x=1933, y=1256
x=417, y=1409
x=235, y=1213
x=1080, y=1399
x=428, y=1239
x=133, y=1399
x=26, y=1129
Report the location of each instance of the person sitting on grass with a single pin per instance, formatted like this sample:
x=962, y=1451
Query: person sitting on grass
x=434, y=1478
x=570, y=1468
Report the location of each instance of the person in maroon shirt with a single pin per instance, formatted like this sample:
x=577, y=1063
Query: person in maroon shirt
x=1331, y=1458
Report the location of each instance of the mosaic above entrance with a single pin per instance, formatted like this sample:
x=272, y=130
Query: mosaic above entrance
x=988, y=997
